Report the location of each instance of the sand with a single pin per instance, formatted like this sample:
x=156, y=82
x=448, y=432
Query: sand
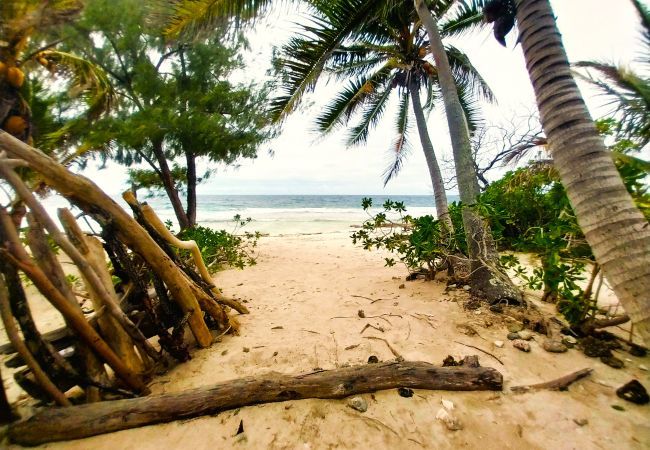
x=296, y=291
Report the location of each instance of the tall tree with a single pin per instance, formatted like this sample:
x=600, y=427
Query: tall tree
x=618, y=233
x=488, y=279
x=385, y=55
x=177, y=106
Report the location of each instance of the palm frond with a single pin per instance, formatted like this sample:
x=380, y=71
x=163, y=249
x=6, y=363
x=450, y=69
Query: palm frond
x=305, y=56
x=371, y=115
x=86, y=80
x=464, y=72
x=465, y=18
x=400, y=148
x=348, y=100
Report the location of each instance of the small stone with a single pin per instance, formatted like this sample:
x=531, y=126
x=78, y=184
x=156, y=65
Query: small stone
x=496, y=308
x=581, y=422
x=467, y=287
x=358, y=403
x=513, y=336
x=525, y=335
x=498, y=344
x=275, y=353
x=451, y=286
x=515, y=327
x=447, y=404
x=478, y=312
x=633, y=392
x=612, y=361
x=618, y=408
x=361, y=314
x=642, y=367
x=521, y=345
x=246, y=349
x=451, y=422
x=554, y=346
x=569, y=341
x=405, y=392
x=223, y=353
x=637, y=350
x=372, y=359
x=401, y=286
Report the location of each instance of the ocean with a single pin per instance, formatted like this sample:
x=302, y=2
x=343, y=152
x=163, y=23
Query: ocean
x=284, y=214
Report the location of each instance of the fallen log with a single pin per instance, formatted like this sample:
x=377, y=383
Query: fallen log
x=58, y=424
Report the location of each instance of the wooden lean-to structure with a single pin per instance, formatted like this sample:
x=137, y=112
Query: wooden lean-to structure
x=158, y=293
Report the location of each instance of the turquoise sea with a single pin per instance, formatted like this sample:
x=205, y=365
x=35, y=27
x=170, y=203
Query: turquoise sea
x=286, y=214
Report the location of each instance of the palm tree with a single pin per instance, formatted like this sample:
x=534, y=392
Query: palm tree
x=615, y=229
x=629, y=90
x=385, y=55
x=488, y=279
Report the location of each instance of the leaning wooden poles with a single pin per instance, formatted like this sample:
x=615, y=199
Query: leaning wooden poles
x=98, y=418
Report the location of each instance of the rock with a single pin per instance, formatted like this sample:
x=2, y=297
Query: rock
x=515, y=327
x=361, y=314
x=642, y=367
x=405, y=392
x=525, y=335
x=612, y=361
x=478, y=312
x=618, y=408
x=513, y=336
x=467, y=287
x=372, y=359
x=594, y=347
x=637, y=350
x=451, y=286
x=554, y=346
x=358, y=403
x=401, y=286
x=521, y=345
x=581, y=422
x=451, y=422
x=447, y=404
x=498, y=344
x=496, y=308
x=569, y=341
x=246, y=349
x=633, y=392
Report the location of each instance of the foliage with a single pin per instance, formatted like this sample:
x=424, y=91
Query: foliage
x=380, y=50
x=220, y=248
x=421, y=243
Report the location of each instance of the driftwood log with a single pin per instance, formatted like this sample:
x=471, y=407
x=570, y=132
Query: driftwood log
x=58, y=424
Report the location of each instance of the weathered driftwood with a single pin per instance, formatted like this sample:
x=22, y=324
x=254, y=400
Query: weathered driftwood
x=88, y=420
x=13, y=335
x=6, y=414
x=157, y=224
x=111, y=327
x=87, y=196
x=559, y=384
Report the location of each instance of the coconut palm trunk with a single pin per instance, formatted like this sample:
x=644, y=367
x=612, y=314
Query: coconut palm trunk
x=439, y=193
x=487, y=280
x=615, y=229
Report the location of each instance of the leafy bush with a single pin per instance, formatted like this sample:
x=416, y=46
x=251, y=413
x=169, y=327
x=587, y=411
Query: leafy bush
x=220, y=248
x=421, y=243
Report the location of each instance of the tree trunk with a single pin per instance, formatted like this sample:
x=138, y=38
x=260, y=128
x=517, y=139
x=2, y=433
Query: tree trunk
x=191, y=188
x=92, y=419
x=487, y=279
x=170, y=186
x=439, y=193
x=615, y=229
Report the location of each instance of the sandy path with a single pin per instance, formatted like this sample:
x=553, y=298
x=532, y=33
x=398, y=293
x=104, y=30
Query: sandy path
x=300, y=284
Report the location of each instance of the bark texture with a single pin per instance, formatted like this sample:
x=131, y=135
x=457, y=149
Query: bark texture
x=615, y=229
x=437, y=182
x=98, y=418
x=170, y=186
x=487, y=280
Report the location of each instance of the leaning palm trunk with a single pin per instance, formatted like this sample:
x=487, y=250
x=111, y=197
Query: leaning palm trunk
x=487, y=279
x=615, y=229
x=439, y=193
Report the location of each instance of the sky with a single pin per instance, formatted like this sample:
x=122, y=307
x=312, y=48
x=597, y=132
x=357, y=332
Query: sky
x=301, y=162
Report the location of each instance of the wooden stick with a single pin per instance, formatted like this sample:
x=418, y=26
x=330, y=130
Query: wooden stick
x=105, y=417
x=91, y=199
x=390, y=347
x=13, y=335
x=559, y=384
x=481, y=350
x=162, y=230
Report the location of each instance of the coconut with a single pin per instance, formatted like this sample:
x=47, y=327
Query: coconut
x=15, y=77
x=15, y=125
